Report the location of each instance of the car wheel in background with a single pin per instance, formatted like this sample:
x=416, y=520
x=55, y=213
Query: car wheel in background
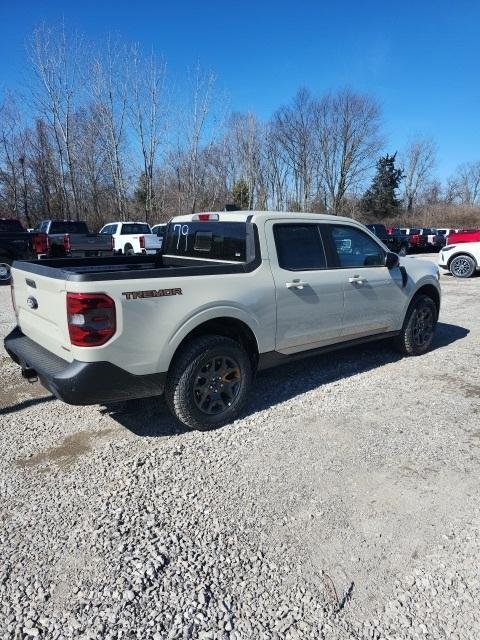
x=403, y=250
x=208, y=382
x=418, y=327
x=462, y=266
x=129, y=250
x=5, y=275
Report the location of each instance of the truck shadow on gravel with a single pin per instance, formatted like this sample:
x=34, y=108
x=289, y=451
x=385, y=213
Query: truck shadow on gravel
x=149, y=417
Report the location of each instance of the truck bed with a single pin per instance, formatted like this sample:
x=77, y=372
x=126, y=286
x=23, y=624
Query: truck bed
x=129, y=267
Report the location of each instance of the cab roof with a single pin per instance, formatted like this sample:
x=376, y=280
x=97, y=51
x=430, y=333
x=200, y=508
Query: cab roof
x=258, y=216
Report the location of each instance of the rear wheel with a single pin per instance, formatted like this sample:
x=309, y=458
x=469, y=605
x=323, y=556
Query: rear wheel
x=129, y=250
x=208, y=382
x=5, y=275
x=418, y=327
x=403, y=250
x=463, y=266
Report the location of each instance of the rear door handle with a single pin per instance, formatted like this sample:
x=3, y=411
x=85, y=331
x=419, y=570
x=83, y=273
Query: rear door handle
x=296, y=284
x=356, y=280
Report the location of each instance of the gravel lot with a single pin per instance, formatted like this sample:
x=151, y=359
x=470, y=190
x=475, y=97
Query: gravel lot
x=344, y=504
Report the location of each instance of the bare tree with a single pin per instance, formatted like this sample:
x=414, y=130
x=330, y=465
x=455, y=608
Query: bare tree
x=293, y=128
x=148, y=116
x=464, y=186
x=347, y=129
x=110, y=93
x=417, y=162
x=55, y=57
x=245, y=142
x=193, y=126
x=9, y=156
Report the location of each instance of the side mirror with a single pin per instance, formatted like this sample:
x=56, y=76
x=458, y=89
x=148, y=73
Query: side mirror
x=391, y=260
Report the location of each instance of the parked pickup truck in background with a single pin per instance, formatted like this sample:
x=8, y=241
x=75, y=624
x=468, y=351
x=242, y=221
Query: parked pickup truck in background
x=471, y=235
x=395, y=240
x=130, y=238
x=69, y=238
x=435, y=240
x=160, y=230
x=231, y=294
x=15, y=244
x=416, y=241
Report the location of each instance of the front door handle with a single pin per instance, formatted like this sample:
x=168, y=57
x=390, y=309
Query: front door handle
x=296, y=284
x=356, y=280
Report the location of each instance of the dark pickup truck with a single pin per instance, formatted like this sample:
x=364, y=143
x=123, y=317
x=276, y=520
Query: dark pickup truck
x=70, y=239
x=15, y=244
x=396, y=242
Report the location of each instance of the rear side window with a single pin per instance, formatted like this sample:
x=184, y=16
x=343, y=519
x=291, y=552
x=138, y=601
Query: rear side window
x=208, y=240
x=68, y=226
x=134, y=228
x=299, y=247
x=7, y=226
x=354, y=248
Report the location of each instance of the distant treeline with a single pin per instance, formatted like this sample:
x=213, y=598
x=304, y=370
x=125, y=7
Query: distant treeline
x=105, y=132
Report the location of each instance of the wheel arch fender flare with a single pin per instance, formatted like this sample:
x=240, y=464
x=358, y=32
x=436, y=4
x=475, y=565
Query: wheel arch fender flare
x=227, y=320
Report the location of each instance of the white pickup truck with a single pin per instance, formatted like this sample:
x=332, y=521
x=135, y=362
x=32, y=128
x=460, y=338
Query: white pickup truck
x=131, y=238
x=231, y=294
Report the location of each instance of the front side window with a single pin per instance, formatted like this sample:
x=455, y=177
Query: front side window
x=354, y=248
x=299, y=247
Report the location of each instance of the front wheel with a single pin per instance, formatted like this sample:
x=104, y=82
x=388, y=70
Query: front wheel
x=462, y=266
x=208, y=382
x=418, y=327
x=5, y=275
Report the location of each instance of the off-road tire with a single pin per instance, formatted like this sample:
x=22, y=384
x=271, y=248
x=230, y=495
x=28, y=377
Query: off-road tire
x=185, y=371
x=462, y=266
x=5, y=264
x=409, y=342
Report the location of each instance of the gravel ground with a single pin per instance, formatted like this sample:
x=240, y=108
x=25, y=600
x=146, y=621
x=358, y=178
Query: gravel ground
x=344, y=504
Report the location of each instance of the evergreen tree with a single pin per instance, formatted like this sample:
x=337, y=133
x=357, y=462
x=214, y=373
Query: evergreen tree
x=380, y=200
x=241, y=194
x=140, y=194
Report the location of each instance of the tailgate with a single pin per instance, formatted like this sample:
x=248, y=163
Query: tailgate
x=91, y=242
x=40, y=303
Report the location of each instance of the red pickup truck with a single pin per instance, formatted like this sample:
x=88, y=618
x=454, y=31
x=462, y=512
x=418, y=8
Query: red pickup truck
x=468, y=235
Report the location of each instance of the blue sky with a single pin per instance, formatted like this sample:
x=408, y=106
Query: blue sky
x=421, y=59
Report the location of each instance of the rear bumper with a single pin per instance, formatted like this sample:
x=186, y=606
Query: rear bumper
x=76, y=382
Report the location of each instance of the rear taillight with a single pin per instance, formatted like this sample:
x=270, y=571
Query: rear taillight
x=142, y=242
x=91, y=319
x=66, y=243
x=40, y=243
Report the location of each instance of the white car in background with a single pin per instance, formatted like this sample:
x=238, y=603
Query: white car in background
x=462, y=260
x=160, y=230
x=130, y=238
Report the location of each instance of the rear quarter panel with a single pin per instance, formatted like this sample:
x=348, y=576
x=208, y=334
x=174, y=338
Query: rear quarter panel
x=149, y=330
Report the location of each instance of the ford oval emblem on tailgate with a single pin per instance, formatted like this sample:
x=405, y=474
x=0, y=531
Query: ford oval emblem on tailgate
x=32, y=303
